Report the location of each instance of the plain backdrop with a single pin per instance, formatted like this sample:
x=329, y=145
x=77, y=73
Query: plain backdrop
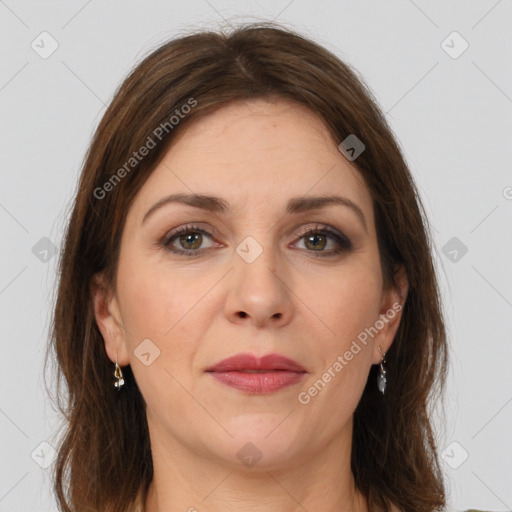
x=442, y=72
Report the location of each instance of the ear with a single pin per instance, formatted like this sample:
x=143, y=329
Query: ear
x=390, y=314
x=108, y=319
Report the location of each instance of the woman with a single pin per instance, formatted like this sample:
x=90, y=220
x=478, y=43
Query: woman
x=248, y=315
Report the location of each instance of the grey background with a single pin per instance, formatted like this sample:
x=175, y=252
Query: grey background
x=452, y=116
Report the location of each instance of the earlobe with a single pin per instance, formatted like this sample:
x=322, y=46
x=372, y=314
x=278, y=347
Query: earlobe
x=107, y=318
x=391, y=313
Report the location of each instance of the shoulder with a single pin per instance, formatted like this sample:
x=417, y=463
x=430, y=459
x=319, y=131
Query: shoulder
x=448, y=509
x=451, y=509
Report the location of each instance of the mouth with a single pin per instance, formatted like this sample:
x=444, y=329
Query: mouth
x=254, y=375
x=261, y=371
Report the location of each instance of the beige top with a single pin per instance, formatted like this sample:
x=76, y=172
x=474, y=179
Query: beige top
x=139, y=507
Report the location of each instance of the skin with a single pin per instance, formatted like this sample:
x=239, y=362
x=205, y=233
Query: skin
x=201, y=309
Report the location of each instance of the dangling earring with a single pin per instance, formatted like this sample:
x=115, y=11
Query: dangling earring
x=381, y=378
x=118, y=374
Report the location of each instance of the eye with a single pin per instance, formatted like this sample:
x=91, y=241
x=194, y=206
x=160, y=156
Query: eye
x=189, y=239
x=317, y=239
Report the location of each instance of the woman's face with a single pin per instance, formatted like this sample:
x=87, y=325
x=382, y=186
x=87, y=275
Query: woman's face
x=261, y=269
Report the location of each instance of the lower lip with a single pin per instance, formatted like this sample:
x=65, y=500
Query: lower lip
x=267, y=382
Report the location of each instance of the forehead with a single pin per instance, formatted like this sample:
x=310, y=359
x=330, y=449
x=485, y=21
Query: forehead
x=259, y=127
x=255, y=152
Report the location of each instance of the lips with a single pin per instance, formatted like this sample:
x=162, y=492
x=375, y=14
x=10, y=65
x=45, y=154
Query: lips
x=249, y=362
x=251, y=374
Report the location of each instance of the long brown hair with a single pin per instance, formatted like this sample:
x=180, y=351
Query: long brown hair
x=104, y=457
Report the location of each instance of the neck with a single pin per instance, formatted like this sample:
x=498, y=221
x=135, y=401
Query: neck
x=195, y=483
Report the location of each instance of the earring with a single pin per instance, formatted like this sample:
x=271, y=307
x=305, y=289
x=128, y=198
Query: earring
x=381, y=378
x=118, y=374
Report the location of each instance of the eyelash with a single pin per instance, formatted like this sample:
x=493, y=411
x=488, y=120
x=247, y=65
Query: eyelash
x=344, y=244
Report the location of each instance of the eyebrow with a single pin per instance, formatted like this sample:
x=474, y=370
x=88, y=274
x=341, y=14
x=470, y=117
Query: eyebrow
x=294, y=206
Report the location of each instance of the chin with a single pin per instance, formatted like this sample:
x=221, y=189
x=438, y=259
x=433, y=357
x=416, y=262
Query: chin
x=262, y=443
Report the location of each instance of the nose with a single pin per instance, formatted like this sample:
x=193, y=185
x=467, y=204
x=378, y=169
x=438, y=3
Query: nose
x=258, y=293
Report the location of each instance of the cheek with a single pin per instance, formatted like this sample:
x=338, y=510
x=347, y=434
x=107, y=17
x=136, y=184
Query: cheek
x=167, y=310
x=345, y=302
x=354, y=313
x=172, y=309
x=345, y=350
x=158, y=304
